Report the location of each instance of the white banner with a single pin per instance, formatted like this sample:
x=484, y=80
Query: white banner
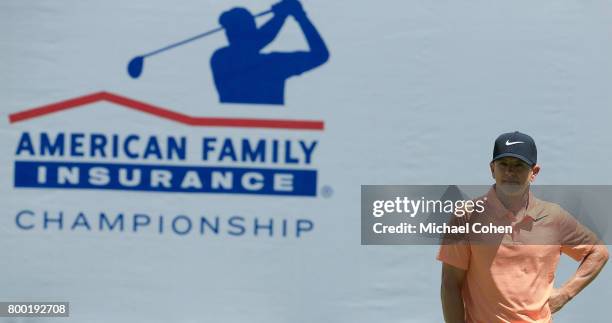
x=195, y=162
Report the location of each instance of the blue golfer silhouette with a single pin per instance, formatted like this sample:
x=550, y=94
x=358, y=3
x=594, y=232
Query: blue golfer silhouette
x=244, y=75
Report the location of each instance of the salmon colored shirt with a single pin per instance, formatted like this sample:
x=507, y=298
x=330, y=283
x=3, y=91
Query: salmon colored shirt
x=511, y=280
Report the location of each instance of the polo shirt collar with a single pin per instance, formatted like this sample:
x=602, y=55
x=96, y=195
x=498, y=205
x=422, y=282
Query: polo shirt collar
x=496, y=208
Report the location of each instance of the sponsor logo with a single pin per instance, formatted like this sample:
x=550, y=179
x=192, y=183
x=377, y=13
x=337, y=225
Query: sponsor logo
x=509, y=143
x=166, y=163
x=242, y=73
x=195, y=154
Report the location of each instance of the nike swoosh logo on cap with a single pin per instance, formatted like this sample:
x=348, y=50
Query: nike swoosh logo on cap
x=508, y=143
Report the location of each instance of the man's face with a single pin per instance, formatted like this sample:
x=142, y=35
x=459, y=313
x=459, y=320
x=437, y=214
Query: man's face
x=512, y=175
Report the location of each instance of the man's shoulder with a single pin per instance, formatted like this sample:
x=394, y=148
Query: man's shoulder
x=220, y=54
x=220, y=51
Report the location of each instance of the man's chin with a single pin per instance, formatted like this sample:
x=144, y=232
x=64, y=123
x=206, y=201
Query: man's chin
x=511, y=189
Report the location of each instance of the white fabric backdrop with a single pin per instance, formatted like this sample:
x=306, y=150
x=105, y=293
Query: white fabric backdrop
x=414, y=93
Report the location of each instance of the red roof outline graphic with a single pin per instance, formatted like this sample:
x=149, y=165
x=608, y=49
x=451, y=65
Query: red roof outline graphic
x=164, y=113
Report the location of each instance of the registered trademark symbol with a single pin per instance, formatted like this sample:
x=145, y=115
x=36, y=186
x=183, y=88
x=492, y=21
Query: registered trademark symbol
x=327, y=191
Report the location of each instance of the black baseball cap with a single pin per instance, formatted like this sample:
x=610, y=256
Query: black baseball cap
x=516, y=144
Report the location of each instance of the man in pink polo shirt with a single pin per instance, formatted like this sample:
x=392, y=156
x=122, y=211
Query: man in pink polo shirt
x=508, y=277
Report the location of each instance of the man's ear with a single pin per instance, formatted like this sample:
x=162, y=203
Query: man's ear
x=492, y=169
x=535, y=170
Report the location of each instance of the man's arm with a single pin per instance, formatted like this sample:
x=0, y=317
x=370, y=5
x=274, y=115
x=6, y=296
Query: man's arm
x=589, y=268
x=296, y=63
x=315, y=42
x=272, y=27
x=450, y=292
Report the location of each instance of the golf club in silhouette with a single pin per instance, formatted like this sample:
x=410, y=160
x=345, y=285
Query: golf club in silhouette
x=136, y=64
